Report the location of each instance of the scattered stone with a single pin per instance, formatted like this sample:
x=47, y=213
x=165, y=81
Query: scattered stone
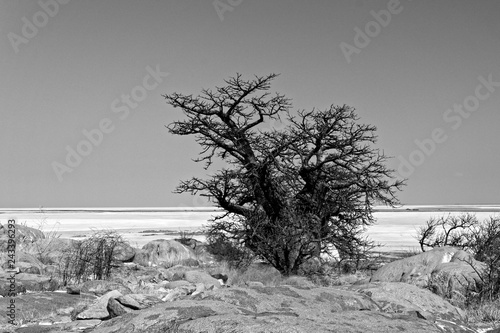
x=199, y=288
x=129, y=302
x=145, y=301
x=116, y=309
x=101, y=287
x=99, y=309
x=191, y=288
x=150, y=274
x=175, y=295
x=254, y=284
x=201, y=277
x=175, y=284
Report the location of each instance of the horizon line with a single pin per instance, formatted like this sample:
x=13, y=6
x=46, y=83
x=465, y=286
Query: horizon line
x=376, y=208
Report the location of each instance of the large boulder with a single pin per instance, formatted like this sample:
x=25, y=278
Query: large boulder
x=463, y=268
x=52, y=250
x=123, y=252
x=188, y=317
x=23, y=234
x=419, y=269
x=277, y=309
x=396, y=297
x=42, y=306
x=27, y=282
x=163, y=252
x=9, y=285
x=27, y=263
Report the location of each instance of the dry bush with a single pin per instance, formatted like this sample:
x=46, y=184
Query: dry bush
x=329, y=275
x=483, y=241
x=222, y=248
x=266, y=274
x=257, y=272
x=92, y=259
x=40, y=249
x=486, y=312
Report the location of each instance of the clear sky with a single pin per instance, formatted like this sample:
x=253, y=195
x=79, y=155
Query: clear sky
x=426, y=73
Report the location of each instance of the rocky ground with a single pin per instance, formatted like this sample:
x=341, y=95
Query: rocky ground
x=147, y=294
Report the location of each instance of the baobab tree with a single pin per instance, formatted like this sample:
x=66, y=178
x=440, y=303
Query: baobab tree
x=288, y=194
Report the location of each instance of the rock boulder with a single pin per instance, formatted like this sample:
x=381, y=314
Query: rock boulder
x=448, y=261
x=101, y=287
x=274, y=309
x=163, y=252
x=23, y=234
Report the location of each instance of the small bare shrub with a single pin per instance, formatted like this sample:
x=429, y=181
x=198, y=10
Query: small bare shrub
x=41, y=248
x=446, y=231
x=91, y=259
x=266, y=274
x=225, y=249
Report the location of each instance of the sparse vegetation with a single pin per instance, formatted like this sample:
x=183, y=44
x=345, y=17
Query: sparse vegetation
x=482, y=240
x=226, y=249
x=91, y=259
x=265, y=274
x=40, y=249
x=485, y=312
x=447, y=231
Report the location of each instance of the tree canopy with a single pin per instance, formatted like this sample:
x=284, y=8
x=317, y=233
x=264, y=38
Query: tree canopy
x=292, y=193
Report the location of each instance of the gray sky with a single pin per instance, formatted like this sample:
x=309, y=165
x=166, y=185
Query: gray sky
x=418, y=70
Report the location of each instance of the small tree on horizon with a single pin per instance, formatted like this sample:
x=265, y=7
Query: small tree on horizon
x=288, y=194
